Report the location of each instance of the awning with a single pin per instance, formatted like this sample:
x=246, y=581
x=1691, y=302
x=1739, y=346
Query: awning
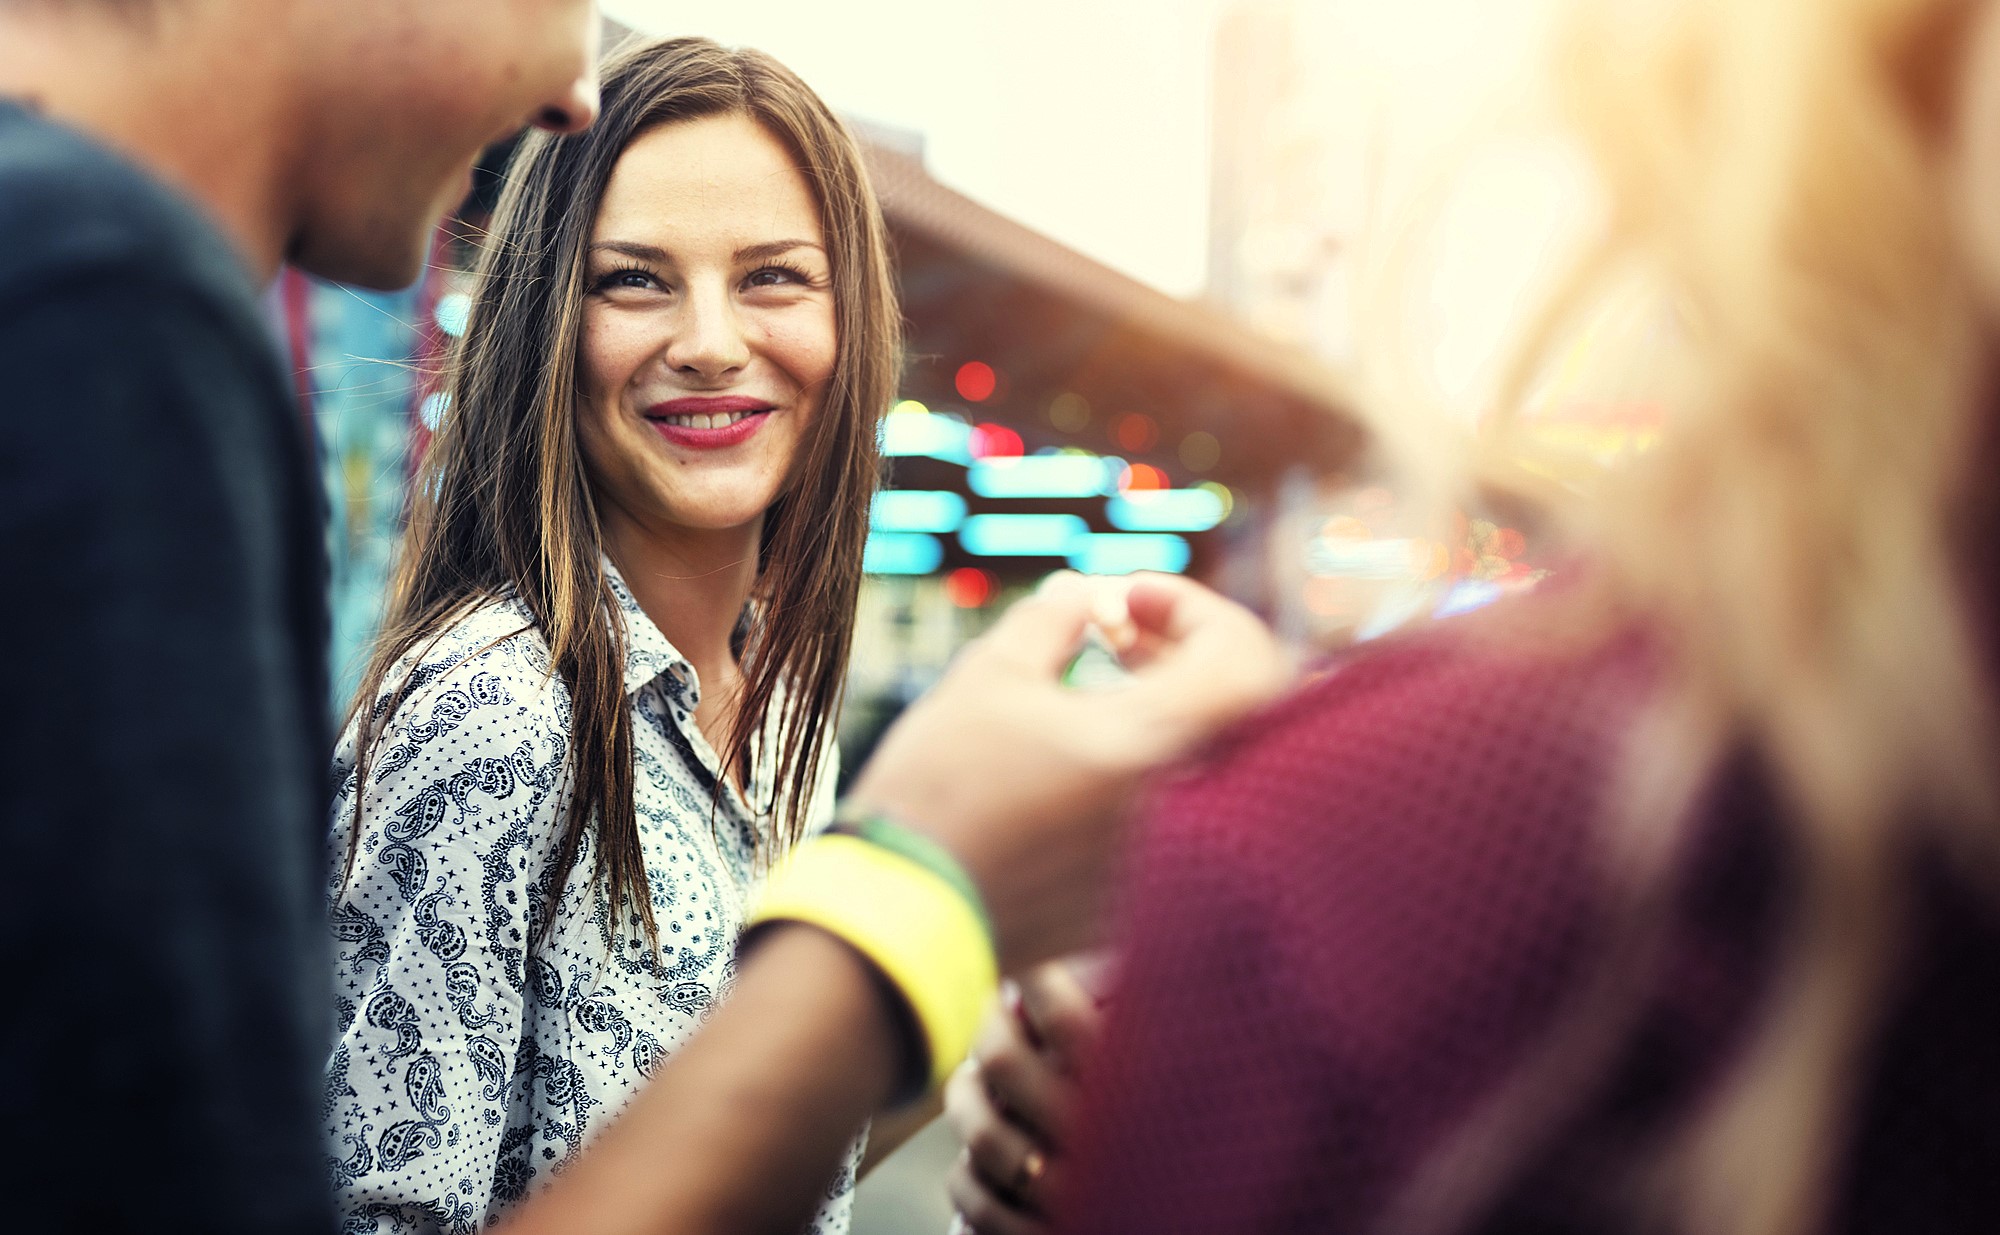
x=978, y=286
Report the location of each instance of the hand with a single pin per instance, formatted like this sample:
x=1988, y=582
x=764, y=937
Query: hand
x=1014, y=1102
x=1026, y=780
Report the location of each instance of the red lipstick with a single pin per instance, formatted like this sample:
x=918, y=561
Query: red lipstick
x=730, y=420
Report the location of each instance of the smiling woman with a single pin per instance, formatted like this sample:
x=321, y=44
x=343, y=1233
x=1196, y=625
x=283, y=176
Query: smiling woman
x=603, y=699
x=708, y=337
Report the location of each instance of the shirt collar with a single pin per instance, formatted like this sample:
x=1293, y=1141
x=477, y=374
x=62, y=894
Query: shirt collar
x=648, y=653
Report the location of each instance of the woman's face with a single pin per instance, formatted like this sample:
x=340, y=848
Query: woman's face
x=708, y=328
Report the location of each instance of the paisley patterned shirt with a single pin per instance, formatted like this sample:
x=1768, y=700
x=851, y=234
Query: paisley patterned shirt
x=472, y=1060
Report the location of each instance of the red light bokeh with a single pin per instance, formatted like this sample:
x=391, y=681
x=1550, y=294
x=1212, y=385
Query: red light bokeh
x=990, y=441
x=968, y=587
x=976, y=381
x=1136, y=432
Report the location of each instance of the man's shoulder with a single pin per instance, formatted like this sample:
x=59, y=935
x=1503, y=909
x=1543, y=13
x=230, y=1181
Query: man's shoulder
x=70, y=207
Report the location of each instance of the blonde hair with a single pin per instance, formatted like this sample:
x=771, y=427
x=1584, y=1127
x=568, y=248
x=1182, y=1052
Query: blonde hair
x=1781, y=171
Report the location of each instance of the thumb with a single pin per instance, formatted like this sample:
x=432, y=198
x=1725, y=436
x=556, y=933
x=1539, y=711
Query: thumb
x=1040, y=635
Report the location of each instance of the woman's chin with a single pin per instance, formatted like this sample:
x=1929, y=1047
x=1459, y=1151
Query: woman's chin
x=710, y=521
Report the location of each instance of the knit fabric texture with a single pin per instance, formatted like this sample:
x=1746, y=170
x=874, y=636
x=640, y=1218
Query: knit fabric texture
x=1377, y=975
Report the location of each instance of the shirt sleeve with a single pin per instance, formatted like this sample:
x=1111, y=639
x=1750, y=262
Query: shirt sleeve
x=161, y=769
x=464, y=797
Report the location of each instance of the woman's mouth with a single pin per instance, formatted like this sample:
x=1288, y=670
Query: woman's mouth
x=708, y=424
x=703, y=420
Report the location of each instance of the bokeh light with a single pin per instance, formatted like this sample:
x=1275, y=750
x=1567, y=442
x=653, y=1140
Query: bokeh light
x=1025, y=535
x=1061, y=475
x=1200, y=452
x=1141, y=477
x=976, y=381
x=1069, y=412
x=1136, y=432
x=453, y=310
x=917, y=510
x=901, y=553
x=1122, y=553
x=991, y=441
x=1165, y=510
x=968, y=587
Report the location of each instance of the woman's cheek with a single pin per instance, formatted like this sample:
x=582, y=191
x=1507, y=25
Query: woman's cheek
x=803, y=344
x=613, y=349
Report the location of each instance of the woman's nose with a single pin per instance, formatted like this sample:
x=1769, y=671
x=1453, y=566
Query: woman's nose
x=708, y=339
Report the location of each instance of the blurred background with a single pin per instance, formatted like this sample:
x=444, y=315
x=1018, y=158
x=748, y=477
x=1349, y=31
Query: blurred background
x=1137, y=243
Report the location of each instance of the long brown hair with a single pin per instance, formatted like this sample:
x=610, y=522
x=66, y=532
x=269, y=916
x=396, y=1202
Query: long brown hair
x=502, y=504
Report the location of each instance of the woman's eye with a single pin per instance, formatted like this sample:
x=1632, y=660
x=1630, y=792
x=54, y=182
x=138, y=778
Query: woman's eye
x=635, y=280
x=776, y=276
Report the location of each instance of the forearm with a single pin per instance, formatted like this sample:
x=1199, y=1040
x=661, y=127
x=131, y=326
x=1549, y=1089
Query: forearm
x=747, y=1122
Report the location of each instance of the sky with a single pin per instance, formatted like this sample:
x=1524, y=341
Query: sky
x=1084, y=119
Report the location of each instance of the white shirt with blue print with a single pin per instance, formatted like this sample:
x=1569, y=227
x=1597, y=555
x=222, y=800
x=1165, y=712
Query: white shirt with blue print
x=472, y=1060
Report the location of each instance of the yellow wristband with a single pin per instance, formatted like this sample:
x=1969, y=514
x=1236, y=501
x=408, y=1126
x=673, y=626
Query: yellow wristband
x=913, y=925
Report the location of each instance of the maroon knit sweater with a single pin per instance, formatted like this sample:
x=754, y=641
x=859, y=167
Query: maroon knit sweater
x=1374, y=970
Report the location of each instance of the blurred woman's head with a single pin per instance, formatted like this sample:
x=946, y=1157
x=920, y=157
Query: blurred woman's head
x=630, y=313
x=1811, y=184
x=1790, y=174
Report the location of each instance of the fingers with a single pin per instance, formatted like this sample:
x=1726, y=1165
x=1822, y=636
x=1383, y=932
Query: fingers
x=1012, y=1103
x=1171, y=604
x=1040, y=634
x=1060, y=1013
x=983, y=1210
x=1023, y=1081
x=1211, y=660
x=1003, y=1156
x=966, y=1105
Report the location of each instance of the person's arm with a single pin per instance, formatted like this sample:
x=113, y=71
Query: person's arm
x=1026, y=782
x=746, y=1123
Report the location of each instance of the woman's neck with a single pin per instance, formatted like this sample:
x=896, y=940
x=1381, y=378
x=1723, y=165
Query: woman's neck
x=693, y=585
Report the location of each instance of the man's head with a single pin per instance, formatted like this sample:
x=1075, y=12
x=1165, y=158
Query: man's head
x=397, y=99
x=334, y=133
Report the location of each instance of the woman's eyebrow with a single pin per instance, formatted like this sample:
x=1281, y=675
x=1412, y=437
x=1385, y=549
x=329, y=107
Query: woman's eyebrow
x=775, y=248
x=643, y=252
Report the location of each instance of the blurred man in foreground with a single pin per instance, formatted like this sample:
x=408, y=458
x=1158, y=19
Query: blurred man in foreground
x=162, y=774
